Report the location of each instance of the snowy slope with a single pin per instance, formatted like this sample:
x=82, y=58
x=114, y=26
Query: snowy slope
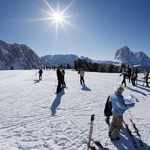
x=32, y=117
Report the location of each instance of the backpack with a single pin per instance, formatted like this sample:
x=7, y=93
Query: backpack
x=108, y=107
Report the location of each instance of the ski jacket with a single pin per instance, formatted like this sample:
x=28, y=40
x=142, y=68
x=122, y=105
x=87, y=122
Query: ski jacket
x=59, y=75
x=118, y=104
x=40, y=72
x=82, y=73
x=129, y=72
x=124, y=73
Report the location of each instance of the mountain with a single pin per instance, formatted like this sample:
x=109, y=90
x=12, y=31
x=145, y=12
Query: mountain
x=22, y=57
x=57, y=60
x=124, y=55
x=19, y=57
x=143, y=58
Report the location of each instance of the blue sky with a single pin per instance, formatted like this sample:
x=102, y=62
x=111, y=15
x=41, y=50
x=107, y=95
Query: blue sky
x=101, y=27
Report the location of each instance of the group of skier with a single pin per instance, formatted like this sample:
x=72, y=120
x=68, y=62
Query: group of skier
x=132, y=75
x=115, y=105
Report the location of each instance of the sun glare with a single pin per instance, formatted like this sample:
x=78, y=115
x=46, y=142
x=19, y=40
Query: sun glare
x=57, y=17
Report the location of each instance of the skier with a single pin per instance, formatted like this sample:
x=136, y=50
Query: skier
x=81, y=76
x=107, y=110
x=133, y=76
x=63, y=78
x=59, y=78
x=146, y=74
x=129, y=73
x=40, y=74
x=124, y=73
x=136, y=74
x=118, y=108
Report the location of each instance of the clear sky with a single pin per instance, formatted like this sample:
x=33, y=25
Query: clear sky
x=91, y=28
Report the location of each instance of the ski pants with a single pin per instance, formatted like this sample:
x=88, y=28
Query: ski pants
x=124, y=81
x=59, y=88
x=40, y=77
x=146, y=81
x=115, y=126
x=81, y=80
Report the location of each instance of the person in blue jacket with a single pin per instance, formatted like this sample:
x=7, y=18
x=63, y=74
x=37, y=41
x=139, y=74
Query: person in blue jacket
x=118, y=109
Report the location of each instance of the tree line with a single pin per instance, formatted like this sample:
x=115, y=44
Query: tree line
x=95, y=67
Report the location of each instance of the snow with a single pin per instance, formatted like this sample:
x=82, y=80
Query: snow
x=33, y=117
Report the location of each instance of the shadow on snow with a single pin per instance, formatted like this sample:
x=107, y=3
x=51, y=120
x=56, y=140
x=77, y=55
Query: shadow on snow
x=126, y=143
x=56, y=102
x=85, y=88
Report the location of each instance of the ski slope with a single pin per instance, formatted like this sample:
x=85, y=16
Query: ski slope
x=33, y=117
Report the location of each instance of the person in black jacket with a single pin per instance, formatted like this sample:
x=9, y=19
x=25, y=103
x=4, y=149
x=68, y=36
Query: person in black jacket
x=107, y=110
x=129, y=73
x=124, y=73
x=63, y=78
x=59, y=78
x=40, y=74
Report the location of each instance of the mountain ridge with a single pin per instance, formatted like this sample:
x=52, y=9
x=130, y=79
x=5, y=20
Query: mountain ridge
x=20, y=56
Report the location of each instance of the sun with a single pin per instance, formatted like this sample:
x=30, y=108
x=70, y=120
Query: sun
x=58, y=17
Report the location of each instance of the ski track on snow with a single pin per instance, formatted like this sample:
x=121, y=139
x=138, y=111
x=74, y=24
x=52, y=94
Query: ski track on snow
x=33, y=117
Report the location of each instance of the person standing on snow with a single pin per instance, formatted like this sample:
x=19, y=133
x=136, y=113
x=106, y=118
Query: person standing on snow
x=133, y=76
x=118, y=109
x=63, y=78
x=59, y=78
x=40, y=74
x=146, y=76
x=124, y=73
x=129, y=73
x=81, y=77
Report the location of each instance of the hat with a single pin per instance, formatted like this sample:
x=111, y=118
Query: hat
x=120, y=89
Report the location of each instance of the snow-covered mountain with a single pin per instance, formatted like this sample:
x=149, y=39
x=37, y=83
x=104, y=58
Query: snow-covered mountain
x=124, y=55
x=22, y=57
x=143, y=58
x=19, y=57
x=57, y=60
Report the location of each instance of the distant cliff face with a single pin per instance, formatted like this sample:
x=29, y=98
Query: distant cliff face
x=57, y=60
x=124, y=55
x=19, y=56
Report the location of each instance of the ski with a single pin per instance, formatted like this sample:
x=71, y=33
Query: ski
x=139, y=138
x=91, y=131
x=97, y=143
x=131, y=136
x=89, y=146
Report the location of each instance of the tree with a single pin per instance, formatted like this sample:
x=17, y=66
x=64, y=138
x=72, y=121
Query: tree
x=121, y=67
x=102, y=68
x=95, y=67
x=110, y=68
x=11, y=68
x=76, y=65
x=68, y=66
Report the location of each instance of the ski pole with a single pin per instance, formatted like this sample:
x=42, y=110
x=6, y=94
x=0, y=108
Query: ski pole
x=91, y=130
